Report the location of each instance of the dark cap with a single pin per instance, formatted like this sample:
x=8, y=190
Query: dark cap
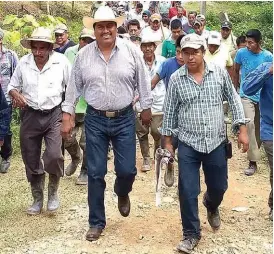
x=226, y=24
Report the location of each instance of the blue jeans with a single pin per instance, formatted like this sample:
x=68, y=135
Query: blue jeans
x=215, y=171
x=100, y=130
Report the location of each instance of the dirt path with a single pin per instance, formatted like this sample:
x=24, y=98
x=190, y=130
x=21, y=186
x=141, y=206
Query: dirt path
x=148, y=229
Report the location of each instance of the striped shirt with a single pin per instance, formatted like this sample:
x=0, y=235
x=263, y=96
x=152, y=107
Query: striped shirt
x=194, y=112
x=108, y=85
x=8, y=62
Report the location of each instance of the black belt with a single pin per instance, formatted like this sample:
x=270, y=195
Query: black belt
x=111, y=114
x=46, y=111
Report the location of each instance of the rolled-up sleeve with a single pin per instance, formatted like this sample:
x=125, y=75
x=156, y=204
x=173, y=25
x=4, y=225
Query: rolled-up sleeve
x=74, y=87
x=143, y=82
x=171, y=110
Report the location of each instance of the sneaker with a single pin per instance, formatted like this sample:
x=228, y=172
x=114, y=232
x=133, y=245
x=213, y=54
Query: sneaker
x=187, y=245
x=146, y=164
x=252, y=168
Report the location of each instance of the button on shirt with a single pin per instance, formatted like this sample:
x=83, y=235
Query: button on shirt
x=42, y=89
x=159, y=92
x=194, y=112
x=109, y=85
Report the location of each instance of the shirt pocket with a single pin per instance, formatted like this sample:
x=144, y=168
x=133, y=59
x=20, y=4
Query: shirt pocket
x=5, y=68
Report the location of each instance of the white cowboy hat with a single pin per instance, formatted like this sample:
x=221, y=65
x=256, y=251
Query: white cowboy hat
x=104, y=13
x=39, y=34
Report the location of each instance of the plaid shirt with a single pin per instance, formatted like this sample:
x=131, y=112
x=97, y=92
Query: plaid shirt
x=194, y=112
x=8, y=62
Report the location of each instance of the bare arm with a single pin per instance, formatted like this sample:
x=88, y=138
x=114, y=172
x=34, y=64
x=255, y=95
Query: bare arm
x=155, y=81
x=236, y=76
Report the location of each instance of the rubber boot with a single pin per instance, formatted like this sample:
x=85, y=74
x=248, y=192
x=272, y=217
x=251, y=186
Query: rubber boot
x=37, y=190
x=75, y=153
x=53, y=200
x=83, y=177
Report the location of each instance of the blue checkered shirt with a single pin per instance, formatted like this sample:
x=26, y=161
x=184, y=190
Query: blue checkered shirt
x=194, y=112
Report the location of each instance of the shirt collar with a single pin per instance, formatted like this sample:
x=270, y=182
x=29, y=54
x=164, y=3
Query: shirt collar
x=118, y=43
x=184, y=71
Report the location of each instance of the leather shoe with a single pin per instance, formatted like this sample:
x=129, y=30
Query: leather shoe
x=187, y=245
x=93, y=234
x=124, y=205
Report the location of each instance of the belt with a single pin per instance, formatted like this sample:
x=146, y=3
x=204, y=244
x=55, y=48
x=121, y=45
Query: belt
x=46, y=111
x=111, y=114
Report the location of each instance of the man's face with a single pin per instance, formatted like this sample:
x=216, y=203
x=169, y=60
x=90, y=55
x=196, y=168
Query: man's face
x=242, y=45
x=177, y=4
x=225, y=32
x=41, y=51
x=85, y=41
x=145, y=18
x=133, y=30
x=176, y=33
x=139, y=10
x=105, y=32
x=193, y=58
x=180, y=12
x=179, y=56
x=61, y=38
x=148, y=49
x=155, y=25
x=252, y=45
x=198, y=29
x=212, y=48
x=191, y=18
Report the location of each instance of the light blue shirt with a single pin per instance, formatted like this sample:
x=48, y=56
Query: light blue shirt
x=249, y=61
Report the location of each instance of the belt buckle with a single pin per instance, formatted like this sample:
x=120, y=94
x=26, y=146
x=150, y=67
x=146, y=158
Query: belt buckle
x=110, y=114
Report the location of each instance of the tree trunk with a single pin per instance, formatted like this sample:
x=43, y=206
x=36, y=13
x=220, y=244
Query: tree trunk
x=48, y=9
x=203, y=7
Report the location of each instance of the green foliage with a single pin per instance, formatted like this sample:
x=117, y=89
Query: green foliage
x=17, y=28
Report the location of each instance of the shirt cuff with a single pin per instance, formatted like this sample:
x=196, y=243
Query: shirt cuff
x=68, y=108
x=237, y=123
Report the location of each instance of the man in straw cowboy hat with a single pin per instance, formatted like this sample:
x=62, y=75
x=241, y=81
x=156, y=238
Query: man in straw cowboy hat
x=107, y=72
x=36, y=87
x=86, y=37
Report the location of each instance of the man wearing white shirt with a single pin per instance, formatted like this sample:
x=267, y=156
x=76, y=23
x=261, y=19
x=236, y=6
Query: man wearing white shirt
x=136, y=13
x=155, y=30
x=180, y=16
x=37, y=87
x=199, y=28
x=152, y=62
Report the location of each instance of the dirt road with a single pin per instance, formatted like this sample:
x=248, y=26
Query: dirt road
x=148, y=229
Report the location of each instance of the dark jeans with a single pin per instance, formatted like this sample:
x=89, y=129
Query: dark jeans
x=100, y=130
x=215, y=171
x=6, y=149
x=268, y=147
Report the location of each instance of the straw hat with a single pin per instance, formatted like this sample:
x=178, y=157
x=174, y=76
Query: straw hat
x=104, y=13
x=39, y=34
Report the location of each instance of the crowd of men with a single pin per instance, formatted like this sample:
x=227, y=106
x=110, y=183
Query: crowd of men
x=158, y=71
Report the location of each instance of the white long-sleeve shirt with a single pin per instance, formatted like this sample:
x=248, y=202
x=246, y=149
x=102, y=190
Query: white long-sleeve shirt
x=42, y=89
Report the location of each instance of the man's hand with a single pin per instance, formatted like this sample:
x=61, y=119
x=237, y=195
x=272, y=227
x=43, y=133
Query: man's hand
x=146, y=117
x=271, y=69
x=168, y=145
x=1, y=142
x=67, y=126
x=243, y=139
x=18, y=100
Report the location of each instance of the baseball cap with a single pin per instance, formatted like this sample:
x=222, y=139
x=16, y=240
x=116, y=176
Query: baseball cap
x=214, y=38
x=60, y=28
x=226, y=24
x=155, y=17
x=200, y=17
x=197, y=22
x=194, y=41
x=146, y=12
x=87, y=33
